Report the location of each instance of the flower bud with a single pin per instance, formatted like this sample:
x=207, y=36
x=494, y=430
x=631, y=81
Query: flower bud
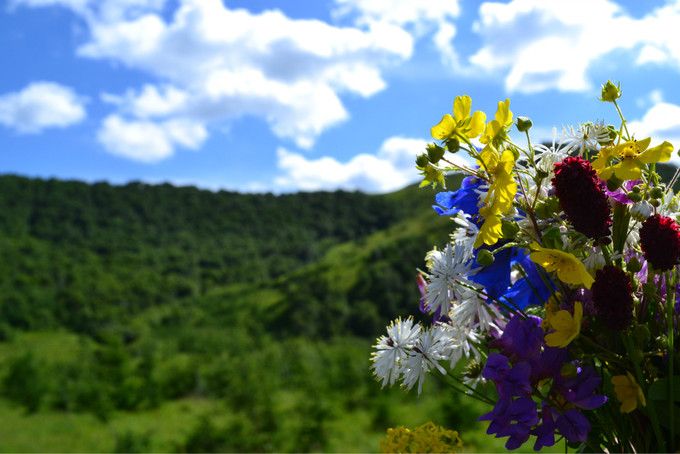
x=641, y=210
x=633, y=265
x=524, y=124
x=509, y=229
x=610, y=92
x=656, y=192
x=453, y=145
x=434, y=153
x=635, y=196
x=613, y=183
x=422, y=160
x=655, y=202
x=485, y=257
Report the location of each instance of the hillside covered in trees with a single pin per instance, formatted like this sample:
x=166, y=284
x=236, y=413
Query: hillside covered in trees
x=142, y=317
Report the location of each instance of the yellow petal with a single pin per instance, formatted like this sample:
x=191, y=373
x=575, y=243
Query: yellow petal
x=578, y=314
x=562, y=321
x=444, y=128
x=503, y=113
x=555, y=339
x=490, y=231
x=476, y=124
x=462, y=106
x=660, y=153
x=628, y=169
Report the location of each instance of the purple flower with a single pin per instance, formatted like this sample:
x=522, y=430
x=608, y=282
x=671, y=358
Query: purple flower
x=545, y=433
x=497, y=366
x=522, y=338
x=513, y=419
x=579, y=389
x=573, y=425
x=619, y=195
x=549, y=363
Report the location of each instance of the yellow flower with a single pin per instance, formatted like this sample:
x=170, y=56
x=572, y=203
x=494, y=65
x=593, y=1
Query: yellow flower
x=569, y=269
x=632, y=155
x=491, y=230
x=628, y=392
x=495, y=130
x=461, y=123
x=426, y=438
x=499, y=198
x=566, y=327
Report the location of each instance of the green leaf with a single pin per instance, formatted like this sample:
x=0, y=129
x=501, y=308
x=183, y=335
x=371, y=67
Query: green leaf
x=659, y=390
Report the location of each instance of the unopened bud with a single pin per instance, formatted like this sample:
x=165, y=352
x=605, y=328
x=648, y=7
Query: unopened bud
x=453, y=145
x=524, y=124
x=434, y=153
x=485, y=257
x=422, y=160
x=610, y=92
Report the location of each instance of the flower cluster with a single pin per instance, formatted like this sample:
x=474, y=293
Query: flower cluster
x=554, y=300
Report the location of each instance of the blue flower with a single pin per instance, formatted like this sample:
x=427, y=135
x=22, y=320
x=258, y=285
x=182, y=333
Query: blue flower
x=464, y=199
x=532, y=290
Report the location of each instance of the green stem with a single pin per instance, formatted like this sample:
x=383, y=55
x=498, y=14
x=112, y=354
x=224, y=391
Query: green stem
x=623, y=120
x=670, y=309
x=650, y=402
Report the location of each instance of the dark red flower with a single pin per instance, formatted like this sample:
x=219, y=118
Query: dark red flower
x=613, y=298
x=582, y=197
x=660, y=241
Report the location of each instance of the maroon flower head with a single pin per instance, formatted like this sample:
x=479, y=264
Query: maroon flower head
x=613, y=298
x=582, y=197
x=660, y=241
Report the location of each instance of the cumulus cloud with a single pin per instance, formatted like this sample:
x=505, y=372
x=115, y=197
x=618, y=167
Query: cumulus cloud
x=147, y=141
x=41, y=105
x=216, y=63
x=538, y=45
x=392, y=167
x=434, y=17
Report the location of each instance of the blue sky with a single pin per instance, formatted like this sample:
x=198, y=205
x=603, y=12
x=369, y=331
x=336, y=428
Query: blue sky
x=257, y=95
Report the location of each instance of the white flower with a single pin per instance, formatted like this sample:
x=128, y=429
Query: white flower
x=392, y=349
x=466, y=232
x=432, y=347
x=586, y=137
x=472, y=311
x=548, y=157
x=449, y=270
x=633, y=238
x=594, y=261
x=669, y=205
x=464, y=343
x=641, y=210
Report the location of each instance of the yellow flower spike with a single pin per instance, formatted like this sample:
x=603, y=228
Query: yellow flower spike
x=633, y=156
x=461, y=123
x=501, y=194
x=566, y=326
x=628, y=392
x=569, y=269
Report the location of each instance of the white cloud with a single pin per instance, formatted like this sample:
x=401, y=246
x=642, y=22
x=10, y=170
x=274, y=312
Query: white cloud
x=390, y=168
x=432, y=18
x=149, y=142
x=215, y=63
x=41, y=105
x=539, y=45
x=661, y=122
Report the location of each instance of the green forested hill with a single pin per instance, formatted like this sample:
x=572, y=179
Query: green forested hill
x=144, y=317
x=79, y=255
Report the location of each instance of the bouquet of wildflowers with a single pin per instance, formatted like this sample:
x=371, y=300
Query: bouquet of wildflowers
x=554, y=299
